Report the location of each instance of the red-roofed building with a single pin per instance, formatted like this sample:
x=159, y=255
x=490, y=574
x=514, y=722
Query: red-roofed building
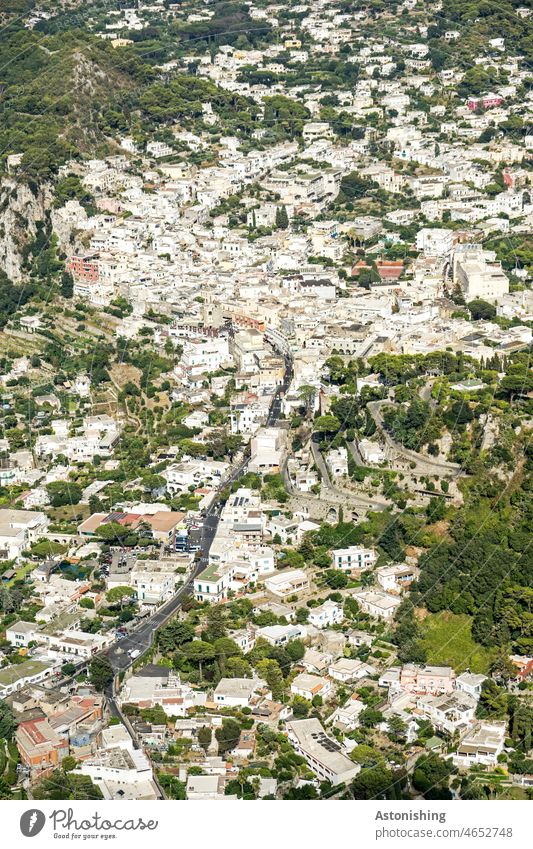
x=40, y=747
x=524, y=666
x=132, y=519
x=389, y=269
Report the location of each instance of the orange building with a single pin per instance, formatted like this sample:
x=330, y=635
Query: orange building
x=40, y=747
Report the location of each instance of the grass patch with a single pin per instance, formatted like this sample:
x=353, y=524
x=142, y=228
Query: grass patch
x=447, y=639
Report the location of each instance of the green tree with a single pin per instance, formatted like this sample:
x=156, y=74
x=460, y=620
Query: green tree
x=118, y=595
x=199, y=652
x=67, y=285
x=113, y=533
x=326, y=424
x=271, y=672
x=336, y=579
x=100, y=672
x=282, y=219
x=7, y=721
x=204, y=736
x=374, y=783
x=63, y=493
x=480, y=309
x=228, y=735
x=296, y=650
x=431, y=772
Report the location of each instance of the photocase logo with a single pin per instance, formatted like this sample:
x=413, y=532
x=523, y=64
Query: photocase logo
x=32, y=822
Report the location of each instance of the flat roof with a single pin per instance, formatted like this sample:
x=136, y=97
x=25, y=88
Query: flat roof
x=12, y=674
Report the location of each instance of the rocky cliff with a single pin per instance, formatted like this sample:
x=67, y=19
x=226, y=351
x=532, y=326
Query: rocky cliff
x=21, y=207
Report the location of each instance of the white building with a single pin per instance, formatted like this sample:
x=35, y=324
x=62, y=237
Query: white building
x=238, y=692
x=153, y=581
x=346, y=717
x=308, y=686
x=347, y=669
x=21, y=634
x=284, y=584
x=378, y=604
x=470, y=683
x=482, y=745
x=396, y=577
x=450, y=712
x=18, y=675
x=158, y=685
x=434, y=241
x=479, y=275
x=327, y=614
x=337, y=462
x=78, y=645
x=324, y=754
x=267, y=446
x=354, y=558
x=19, y=529
x=280, y=635
x=371, y=452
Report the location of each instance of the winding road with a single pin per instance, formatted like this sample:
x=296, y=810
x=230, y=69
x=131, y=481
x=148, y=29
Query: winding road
x=425, y=464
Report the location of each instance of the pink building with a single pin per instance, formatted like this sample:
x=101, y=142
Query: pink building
x=431, y=680
x=85, y=267
x=508, y=178
x=488, y=101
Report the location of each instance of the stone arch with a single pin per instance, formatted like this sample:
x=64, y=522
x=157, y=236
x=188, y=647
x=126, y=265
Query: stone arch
x=331, y=515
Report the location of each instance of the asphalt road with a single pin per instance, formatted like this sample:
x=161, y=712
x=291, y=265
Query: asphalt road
x=140, y=639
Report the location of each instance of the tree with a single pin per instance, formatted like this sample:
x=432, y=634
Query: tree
x=61, y=785
x=225, y=646
x=204, y=736
x=397, y=728
x=216, y=623
x=67, y=285
x=374, y=783
x=237, y=667
x=118, y=595
x=173, y=787
x=370, y=717
x=336, y=579
x=436, y=509
x=391, y=542
x=307, y=395
x=228, y=735
x=365, y=755
x=7, y=721
x=305, y=792
x=431, y=772
x=326, y=424
x=63, y=493
x=113, y=532
x=502, y=668
x=199, y=652
x=295, y=649
x=270, y=671
x=282, y=219
x=353, y=187
x=480, y=309
x=174, y=634
x=522, y=727
x=100, y=672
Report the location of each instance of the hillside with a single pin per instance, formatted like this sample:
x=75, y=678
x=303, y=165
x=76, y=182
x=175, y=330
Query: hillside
x=56, y=91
